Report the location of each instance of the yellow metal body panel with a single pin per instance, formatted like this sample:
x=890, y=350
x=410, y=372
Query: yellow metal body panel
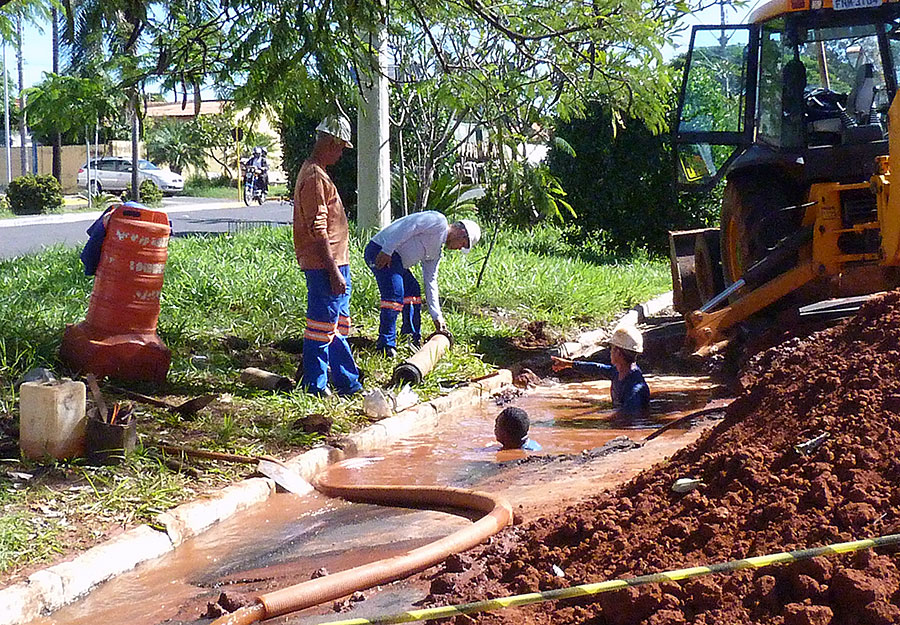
x=828, y=227
x=777, y=8
x=821, y=258
x=889, y=205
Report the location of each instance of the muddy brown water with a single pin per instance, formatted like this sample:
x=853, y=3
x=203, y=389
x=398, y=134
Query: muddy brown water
x=286, y=539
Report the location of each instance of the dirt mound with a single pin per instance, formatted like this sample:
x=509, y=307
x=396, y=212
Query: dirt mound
x=760, y=495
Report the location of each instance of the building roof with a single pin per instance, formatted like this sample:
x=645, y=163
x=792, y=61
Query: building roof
x=174, y=109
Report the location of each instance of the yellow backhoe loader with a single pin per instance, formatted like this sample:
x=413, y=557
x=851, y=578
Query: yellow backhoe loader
x=794, y=111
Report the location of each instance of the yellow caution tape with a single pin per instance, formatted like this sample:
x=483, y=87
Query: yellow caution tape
x=600, y=587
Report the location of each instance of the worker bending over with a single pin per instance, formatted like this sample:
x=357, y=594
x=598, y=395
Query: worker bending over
x=416, y=238
x=629, y=391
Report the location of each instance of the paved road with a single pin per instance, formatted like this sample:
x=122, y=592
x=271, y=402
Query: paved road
x=26, y=235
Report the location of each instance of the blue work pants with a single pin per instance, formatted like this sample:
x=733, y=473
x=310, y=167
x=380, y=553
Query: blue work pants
x=325, y=339
x=400, y=293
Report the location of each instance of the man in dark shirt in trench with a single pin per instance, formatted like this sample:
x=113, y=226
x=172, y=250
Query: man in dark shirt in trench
x=629, y=391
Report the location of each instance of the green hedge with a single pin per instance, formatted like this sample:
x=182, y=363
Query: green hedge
x=151, y=195
x=622, y=184
x=34, y=195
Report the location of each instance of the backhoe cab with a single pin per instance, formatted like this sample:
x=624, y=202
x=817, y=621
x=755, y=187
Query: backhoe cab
x=792, y=110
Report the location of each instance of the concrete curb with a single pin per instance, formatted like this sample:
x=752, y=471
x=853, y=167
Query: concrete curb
x=74, y=217
x=52, y=588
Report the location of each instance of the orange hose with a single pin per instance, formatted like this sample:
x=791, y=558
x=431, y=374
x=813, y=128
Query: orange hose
x=498, y=514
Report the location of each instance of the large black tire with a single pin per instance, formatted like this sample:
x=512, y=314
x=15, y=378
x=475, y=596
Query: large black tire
x=247, y=193
x=753, y=221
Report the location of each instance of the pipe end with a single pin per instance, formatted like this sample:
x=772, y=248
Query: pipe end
x=408, y=373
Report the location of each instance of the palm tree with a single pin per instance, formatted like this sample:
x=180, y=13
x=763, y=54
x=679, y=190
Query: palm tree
x=57, y=138
x=23, y=124
x=101, y=29
x=12, y=19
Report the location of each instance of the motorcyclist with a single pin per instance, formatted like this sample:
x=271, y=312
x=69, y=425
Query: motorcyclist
x=259, y=160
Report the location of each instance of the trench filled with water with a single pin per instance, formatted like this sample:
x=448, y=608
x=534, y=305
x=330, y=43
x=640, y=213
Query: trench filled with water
x=289, y=539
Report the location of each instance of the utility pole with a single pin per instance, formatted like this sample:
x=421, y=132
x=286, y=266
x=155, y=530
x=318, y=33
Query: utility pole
x=373, y=162
x=6, y=117
x=23, y=124
x=723, y=44
x=57, y=137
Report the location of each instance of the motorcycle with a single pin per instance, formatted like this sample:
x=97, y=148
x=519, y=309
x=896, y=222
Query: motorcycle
x=253, y=187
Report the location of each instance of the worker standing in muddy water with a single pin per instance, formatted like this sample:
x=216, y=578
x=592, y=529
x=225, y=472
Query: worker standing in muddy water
x=629, y=391
x=322, y=247
x=511, y=430
x=416, y=238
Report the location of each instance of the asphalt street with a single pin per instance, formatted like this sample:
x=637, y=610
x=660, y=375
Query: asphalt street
x=190, y=216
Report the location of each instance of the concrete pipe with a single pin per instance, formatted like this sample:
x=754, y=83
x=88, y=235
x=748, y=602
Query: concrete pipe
x=414, y=369
x=266, y=380
x=497, y=515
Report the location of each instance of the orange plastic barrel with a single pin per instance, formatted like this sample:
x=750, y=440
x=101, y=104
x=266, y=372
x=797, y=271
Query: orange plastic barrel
x=118, y=337
x=129, y=277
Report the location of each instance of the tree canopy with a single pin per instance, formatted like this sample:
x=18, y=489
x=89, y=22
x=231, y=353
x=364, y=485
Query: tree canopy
x=513, y=63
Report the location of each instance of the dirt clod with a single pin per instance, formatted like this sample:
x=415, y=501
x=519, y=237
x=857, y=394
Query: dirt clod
x=526, y=378
x=799, y=614
x=314, y=424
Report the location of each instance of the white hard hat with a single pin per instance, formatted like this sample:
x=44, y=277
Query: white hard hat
x=473, y=231
x=629, y=338
x=337, y=126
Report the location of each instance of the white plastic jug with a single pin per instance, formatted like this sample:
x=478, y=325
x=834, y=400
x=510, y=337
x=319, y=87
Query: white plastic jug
x=52, y=419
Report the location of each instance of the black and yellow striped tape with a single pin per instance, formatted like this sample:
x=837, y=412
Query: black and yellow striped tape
x=594, y=589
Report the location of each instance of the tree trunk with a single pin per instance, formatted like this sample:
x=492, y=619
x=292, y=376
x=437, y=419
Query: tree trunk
x=425, y=185
x=57, y=137
x=135, y=186
x=405, y=198
x=23, y=125
x=197, y=100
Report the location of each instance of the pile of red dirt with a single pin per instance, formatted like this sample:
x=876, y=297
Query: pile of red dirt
x=760, y=495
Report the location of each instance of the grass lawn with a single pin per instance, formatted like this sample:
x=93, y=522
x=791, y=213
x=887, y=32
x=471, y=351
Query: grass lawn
x=227, y=193
x=235, y=301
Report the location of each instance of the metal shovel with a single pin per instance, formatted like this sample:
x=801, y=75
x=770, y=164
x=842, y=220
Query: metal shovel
x=186, y=409
x=272, y=468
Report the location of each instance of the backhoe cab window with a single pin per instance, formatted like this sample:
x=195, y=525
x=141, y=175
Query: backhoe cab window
x=714, y=94
x=816, y=82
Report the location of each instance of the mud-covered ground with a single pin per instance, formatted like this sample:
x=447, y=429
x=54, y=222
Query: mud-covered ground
x=759, y=495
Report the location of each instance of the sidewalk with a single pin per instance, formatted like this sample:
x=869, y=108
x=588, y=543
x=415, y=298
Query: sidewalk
x=178, y=203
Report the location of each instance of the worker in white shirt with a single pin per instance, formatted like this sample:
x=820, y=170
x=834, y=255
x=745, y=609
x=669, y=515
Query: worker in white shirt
x=416, y=238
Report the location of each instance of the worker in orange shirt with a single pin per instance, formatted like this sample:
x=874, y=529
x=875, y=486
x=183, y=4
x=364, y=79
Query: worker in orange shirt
x=322, y=248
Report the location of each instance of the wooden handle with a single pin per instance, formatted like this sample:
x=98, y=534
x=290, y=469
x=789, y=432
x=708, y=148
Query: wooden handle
x=98, y=396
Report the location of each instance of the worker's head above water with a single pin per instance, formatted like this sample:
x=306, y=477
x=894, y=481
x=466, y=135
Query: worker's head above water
x=511, y=427
x=627, y=343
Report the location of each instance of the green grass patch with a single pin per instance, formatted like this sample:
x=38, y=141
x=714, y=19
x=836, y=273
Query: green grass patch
x=196, y=187
x=223, y=193
x=239, y=300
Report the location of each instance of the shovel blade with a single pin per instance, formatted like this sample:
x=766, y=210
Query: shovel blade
x=192, y=406
x=284, y=477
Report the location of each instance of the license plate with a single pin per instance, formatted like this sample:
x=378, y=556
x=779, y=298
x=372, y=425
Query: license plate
x=843, y=5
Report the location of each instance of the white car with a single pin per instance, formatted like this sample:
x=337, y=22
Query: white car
x=112, y=174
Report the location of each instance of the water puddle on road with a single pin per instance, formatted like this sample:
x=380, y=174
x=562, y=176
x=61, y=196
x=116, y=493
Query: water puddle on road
x=288, y=538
